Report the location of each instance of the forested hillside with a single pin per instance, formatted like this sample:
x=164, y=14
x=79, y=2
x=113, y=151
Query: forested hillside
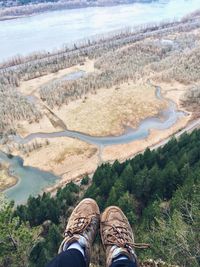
x=157, y=190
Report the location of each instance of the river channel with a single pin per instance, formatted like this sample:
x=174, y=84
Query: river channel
x=165, y=120
x=33, y=181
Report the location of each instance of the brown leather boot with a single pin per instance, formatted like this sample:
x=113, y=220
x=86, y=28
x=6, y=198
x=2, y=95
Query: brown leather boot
x=82, y=227
x=117, y=235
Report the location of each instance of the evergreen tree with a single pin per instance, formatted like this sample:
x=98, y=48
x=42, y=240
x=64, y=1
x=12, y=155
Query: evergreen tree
x=17, y=238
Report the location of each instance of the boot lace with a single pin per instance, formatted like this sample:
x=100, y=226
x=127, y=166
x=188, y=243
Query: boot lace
x=80, y=225
x=119, y=236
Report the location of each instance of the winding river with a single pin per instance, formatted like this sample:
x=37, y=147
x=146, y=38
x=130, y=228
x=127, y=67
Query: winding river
x=166, y=119
x=33, y=181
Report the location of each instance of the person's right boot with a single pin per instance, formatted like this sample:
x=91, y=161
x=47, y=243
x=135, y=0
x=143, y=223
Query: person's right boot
x=117, y=236
x=82, y=227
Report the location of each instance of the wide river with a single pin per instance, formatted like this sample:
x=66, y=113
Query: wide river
x=51, y=30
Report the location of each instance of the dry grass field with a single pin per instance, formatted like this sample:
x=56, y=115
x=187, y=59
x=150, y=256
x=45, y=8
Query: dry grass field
x=109, y=110
x=6, y=180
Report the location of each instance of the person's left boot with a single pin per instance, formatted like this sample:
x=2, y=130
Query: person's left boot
x=117, y=236
x=82, y=227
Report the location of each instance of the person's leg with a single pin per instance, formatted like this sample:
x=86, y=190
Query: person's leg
x=80, y=233
x=123, y=263
x=69, y=258
x=117, y=239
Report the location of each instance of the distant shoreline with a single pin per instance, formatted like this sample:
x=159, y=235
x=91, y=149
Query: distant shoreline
x=16, y=12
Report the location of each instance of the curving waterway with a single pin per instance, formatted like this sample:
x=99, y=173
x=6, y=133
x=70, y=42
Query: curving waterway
x=50, y=30
x=33, y=181
x=165, y=120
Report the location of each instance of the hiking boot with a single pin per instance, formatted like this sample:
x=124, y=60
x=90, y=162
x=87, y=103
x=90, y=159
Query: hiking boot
x=82, y=227
x=117, y=235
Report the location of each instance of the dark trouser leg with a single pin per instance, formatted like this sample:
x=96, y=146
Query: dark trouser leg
x=68, y=258
x=123, y=263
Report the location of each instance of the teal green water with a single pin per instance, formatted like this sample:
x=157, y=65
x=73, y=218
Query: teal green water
x=31, y=180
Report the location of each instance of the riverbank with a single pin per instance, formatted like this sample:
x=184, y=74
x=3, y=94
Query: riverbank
x=6, y=179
